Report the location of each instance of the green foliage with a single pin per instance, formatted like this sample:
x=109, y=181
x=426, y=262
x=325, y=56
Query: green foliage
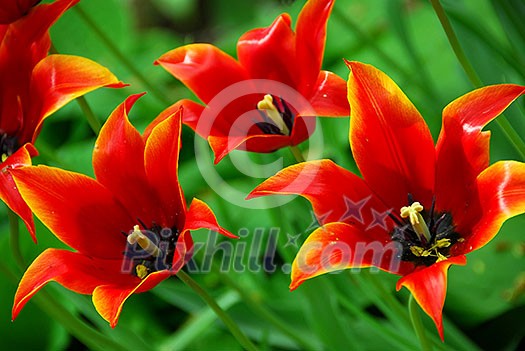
x=402, y=38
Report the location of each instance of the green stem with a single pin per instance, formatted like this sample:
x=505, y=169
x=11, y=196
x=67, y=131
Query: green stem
x=269, y=316
x=502, y=122
x=415, y=317
x=74, y=325
x=14, y=233
x=82, y=331
x=92, y=120
x=120, y=56
x=456, y=46
x=94, y=123
x=393, y=336
x=386, y=296
x=234, y=329
x=297, y=154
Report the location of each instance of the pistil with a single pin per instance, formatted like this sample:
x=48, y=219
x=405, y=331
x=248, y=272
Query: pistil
x=267, y=105
x=144, y=242
x=419, y=225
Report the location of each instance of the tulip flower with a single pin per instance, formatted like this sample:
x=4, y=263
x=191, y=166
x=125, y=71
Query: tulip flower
x=12, y=10
x=129, y=227
x=267, y=98
x=418, y=208
x=33, y=86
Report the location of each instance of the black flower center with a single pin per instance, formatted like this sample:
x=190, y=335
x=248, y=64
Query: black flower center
x=426, y=237
x=8, y=145
x=150, y=250
x=277, y=116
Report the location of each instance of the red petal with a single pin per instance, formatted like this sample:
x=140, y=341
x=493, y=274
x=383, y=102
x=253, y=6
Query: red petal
x=24, y=44
x=12, y=10
x=58, y=79
x=200, y=216
x=190, y=115
x=337, y=246
x=462, y=149
x=74, y=271
x=203, y=68
x=429, y=287
x=502, y=196
x=118, y=161
x=223, y=145
x=77, y=209
x=109, y=299
x=269, y=53
x=336, y=194
x=390, y=141
x=162, y=162
x=330, y=97
x=310, y=40
x=8, y=190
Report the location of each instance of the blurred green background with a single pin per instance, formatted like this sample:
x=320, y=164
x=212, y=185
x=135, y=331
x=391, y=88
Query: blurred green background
x=485, y=304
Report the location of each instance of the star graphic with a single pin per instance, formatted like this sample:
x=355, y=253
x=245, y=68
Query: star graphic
x=379, y=219
x=292, y=240
x=315, y=221
x=353, y=209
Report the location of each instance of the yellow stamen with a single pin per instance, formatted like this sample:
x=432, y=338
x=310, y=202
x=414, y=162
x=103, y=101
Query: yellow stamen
x=418, y=251
x=4, y=157
x=268, y=106
x=441, y=243
x=440, y=257
x=142, y=271
x=418, y=223
x=143, y=241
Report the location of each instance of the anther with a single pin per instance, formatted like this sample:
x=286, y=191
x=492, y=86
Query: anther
x=412, y=212
x=144, y=242
x=267, y=105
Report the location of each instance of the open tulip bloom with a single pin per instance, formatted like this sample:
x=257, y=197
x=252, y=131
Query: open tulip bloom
x=418, y=209
x=129, y=227
x=33, y=86
x=265, y=100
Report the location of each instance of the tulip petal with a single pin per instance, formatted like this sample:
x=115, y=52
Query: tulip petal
x=336, y=246
x=389, y=138
x=191, y=112
x=502, y=196
x=200, y=216
x=12, y=10
x=162, y=163
x=223, y=145
x=77, y=209
x=36, y=23
x=269, y=53
x=462, y=149
x=24, y=43
x=58, y=79
x=118, y=162
x=8, y=191
x=429, y=288
x=203, y=68
x=73, y=270
x=109, y=299
x=352, y=203
x=311, y=38
x=330, y=96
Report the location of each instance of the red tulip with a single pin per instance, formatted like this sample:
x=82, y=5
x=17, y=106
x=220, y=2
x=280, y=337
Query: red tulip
x=456, y=201
x=129, y=227
x=265, y=100
x=12, y=10
x=33, y=86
